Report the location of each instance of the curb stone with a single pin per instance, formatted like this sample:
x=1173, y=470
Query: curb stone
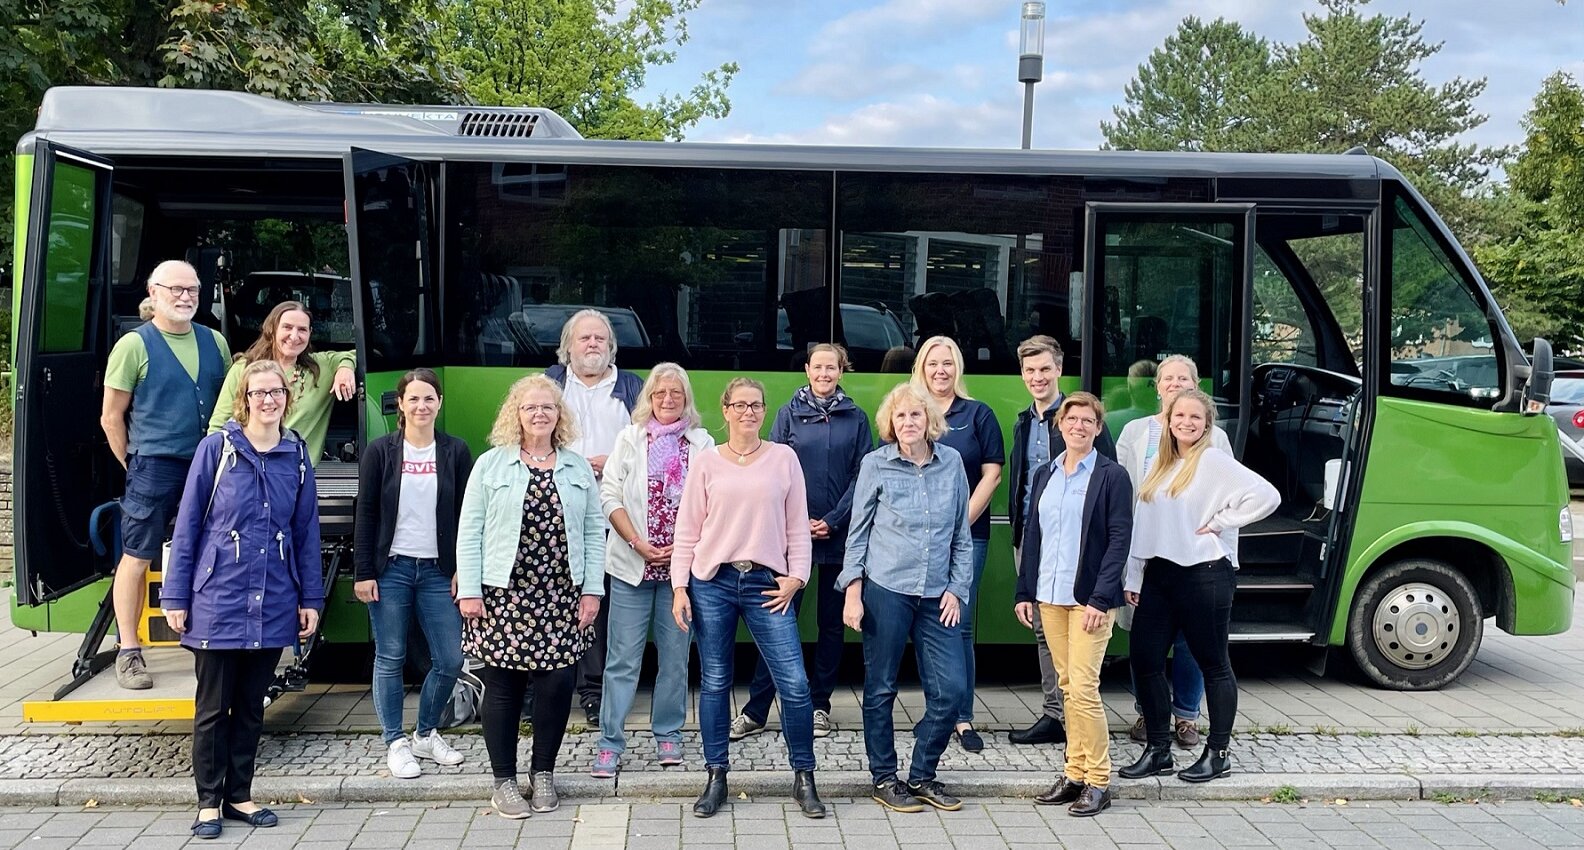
x=1469, y=786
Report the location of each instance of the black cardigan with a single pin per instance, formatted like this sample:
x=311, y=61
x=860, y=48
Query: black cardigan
x=379, y=491
x=1103, y=545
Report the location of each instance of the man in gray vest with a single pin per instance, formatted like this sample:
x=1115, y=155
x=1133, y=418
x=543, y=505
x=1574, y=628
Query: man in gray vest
x=161, y=385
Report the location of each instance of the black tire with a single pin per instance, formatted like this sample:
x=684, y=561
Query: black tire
x=1424, y=599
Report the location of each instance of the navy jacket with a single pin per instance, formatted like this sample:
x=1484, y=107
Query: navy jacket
x=628, y=386
x=242, y=565
x=379, y=501
x=831, y=451
x=1018, y=463
x=1103, y=546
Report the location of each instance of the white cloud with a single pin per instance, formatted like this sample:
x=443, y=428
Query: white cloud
x=923, y=120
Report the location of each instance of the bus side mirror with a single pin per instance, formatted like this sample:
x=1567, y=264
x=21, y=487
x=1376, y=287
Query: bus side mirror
x=1537, y=390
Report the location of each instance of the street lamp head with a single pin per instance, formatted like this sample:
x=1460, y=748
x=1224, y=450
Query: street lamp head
x=1031, y=43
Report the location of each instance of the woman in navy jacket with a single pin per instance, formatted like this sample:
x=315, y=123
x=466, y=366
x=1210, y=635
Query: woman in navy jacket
x=243, y=582
x=830, y=434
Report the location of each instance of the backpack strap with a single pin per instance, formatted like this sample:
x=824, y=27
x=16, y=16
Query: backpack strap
x=227, y=452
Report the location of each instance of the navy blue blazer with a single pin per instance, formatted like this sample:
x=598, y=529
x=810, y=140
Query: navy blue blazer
x=1103, y=546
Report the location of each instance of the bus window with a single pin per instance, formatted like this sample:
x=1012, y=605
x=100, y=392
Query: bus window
x=126, y=238
x=1282, y=330
x=697, y=266
x=1442, y=345
x=69, y=257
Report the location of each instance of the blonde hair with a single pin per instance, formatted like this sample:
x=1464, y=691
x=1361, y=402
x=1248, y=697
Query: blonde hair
x=1039, y=344
x=903, y=395
x=239, y=408
x=508, y=430
x=1081, y=399
x=1168, y=454
x=957, y=357
x=564, y=350
x=643, y=411
x=1185, y=360
x=738, y=383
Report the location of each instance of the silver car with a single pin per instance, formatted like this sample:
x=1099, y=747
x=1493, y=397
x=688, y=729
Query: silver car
x=1567, y=408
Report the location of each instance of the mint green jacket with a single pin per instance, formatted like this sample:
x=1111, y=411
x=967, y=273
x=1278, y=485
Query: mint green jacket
x=492, y=516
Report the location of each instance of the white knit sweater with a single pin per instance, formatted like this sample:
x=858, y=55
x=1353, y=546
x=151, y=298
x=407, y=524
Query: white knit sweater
x=1225, y=495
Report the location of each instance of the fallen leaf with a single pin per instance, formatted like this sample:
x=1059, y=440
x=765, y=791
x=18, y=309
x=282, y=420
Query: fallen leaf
x=742, y=795
x=1265, y=799
x=91, y=804
x=1341, y=801
x=304, y=800
x=1577, y=803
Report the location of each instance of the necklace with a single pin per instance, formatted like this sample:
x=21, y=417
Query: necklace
x=742, y=457
x=536, y=458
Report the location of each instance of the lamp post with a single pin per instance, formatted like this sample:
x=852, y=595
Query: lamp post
x=1031, y=62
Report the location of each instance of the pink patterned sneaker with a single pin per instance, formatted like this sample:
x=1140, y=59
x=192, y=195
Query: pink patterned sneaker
x=670, y=753
x=605, y=765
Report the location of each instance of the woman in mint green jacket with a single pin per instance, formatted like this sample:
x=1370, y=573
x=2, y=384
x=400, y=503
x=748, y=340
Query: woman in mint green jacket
x=530, y=574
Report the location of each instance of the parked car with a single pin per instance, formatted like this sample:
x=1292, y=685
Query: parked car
x=1567, y=409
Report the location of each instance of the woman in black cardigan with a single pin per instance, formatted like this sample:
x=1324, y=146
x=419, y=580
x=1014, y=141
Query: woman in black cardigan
x=1075, y=549
x=410, y=487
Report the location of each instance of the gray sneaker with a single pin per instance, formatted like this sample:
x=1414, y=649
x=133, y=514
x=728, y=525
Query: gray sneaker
x=823, y=725
x=508, y=802
x=544, y=794
x=132, y=673
x=742, y=726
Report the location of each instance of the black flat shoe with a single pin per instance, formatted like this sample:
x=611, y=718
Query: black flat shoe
x=206, y=828
x=1046, y=730
x=714, y=795
x=1062, y=793
x=805, y=795
x=1154, y=762
x=263, y=817
x=970, y=740
x=1213, y=764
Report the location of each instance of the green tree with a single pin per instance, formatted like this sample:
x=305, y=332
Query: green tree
x=585, y=59
x=1193, y=92
x=1537, y=268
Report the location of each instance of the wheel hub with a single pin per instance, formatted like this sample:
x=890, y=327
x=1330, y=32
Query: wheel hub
x=1416, y=625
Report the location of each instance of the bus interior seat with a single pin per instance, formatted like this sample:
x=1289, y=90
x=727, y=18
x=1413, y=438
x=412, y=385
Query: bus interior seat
x=1151, y=338
x=979, y=323
x=932, y=316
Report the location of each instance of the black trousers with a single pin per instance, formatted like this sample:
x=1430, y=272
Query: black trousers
x=501, y=714
x=591, y=667
x=1196, y=599
x=827, y=648
x=228, y=719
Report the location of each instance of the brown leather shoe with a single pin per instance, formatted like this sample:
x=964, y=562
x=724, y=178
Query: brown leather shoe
x=1139, y=733
x=1186, y=732
x=1091, y=802
x=1065, y=791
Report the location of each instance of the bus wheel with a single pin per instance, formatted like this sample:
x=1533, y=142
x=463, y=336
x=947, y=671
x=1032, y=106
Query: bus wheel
x=1415, y=625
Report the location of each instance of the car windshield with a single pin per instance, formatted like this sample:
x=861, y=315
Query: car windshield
x=545, y=321
x=327, y=297
x=1567, y=391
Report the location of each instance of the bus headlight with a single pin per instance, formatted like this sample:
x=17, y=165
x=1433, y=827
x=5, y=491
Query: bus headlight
x=1565, y=525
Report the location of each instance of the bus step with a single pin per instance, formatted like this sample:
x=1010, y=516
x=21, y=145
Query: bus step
x=1273, y=583
x=1269, y=632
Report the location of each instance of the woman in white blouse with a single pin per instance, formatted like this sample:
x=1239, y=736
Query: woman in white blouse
x=1181, y=577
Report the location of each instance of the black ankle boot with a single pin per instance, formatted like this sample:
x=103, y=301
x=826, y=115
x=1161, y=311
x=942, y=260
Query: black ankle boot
x=714, y=795
x=1157, y=759
x=807, y=798
x=1214, y=764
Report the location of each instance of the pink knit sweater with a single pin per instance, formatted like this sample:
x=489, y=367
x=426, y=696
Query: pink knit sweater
x=757, y=512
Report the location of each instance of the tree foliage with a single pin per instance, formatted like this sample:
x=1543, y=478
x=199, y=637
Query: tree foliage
x=1193, y=93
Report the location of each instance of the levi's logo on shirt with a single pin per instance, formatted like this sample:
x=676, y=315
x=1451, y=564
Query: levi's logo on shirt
x=418, y=467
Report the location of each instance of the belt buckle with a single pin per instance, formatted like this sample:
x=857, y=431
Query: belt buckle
x=743, y=566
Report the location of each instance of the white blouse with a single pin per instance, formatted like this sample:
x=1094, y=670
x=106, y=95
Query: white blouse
x=1224, y=496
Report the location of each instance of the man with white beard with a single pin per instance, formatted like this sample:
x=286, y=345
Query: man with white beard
x=600, y=398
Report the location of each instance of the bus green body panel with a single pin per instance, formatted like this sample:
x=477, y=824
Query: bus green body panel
x=70, y=613
x=1436, y=471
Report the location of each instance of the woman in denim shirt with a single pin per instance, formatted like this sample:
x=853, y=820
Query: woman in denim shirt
x=530, y=574
x=908, y=573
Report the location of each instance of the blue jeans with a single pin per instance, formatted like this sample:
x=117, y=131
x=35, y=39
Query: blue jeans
x=633, y=612
x=1187, y=682
x=981, y=548
x=718, y=604
x=827, y=648
x=411, y=586
x=889, y=620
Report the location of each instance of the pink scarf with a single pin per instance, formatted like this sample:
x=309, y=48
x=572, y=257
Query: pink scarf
x=666, y=444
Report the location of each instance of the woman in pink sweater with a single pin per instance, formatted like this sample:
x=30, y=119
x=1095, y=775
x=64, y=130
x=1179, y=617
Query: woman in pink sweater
x=742, y=550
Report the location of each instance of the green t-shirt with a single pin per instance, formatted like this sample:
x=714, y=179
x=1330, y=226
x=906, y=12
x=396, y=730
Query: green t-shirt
x=128, y=364
x=310, y=414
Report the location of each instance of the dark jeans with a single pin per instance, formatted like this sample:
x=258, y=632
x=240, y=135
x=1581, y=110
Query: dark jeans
x=889, y=620
x=591, y=667
x=408, y=588
x=501, y=714
x=827, y=649
x=1196, y=600
x=965, y=711
x=228, y=718
x=718, y=605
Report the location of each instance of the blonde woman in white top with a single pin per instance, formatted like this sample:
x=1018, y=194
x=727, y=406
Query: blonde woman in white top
x=1181, y=577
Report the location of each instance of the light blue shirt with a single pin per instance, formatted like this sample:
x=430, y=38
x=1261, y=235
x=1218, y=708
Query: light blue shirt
x=910, y=531
x=1061, y=529
x=1036, y=451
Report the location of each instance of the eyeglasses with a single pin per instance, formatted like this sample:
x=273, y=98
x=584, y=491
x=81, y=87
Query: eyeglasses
x=276, y=393
x=536, y=408
x=1080, y=420
x=741, y=407
x=180, y=291
x=668, y=394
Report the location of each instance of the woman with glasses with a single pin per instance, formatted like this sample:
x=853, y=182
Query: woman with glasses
x=971, y=429
x=530, y=574
x=317, y=379
x=641, y=494
x=742, y=552
x=1181, y=577
x=243, y=582
x=1074, y=550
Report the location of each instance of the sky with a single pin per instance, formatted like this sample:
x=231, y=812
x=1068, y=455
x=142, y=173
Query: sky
x=943, y=73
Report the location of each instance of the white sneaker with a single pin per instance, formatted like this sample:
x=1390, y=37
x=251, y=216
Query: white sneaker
x=742, y=726
x=434, y=748
x=823, y=725
x=401, y=761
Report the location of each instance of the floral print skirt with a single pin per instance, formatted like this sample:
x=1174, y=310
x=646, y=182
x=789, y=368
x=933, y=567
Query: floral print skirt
x=532, y=623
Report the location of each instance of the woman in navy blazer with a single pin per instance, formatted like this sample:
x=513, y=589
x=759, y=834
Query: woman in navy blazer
x=1075, y=549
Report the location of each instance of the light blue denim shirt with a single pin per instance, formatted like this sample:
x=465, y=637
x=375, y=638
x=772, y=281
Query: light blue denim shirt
x=1061, y=530
x=910, y=531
